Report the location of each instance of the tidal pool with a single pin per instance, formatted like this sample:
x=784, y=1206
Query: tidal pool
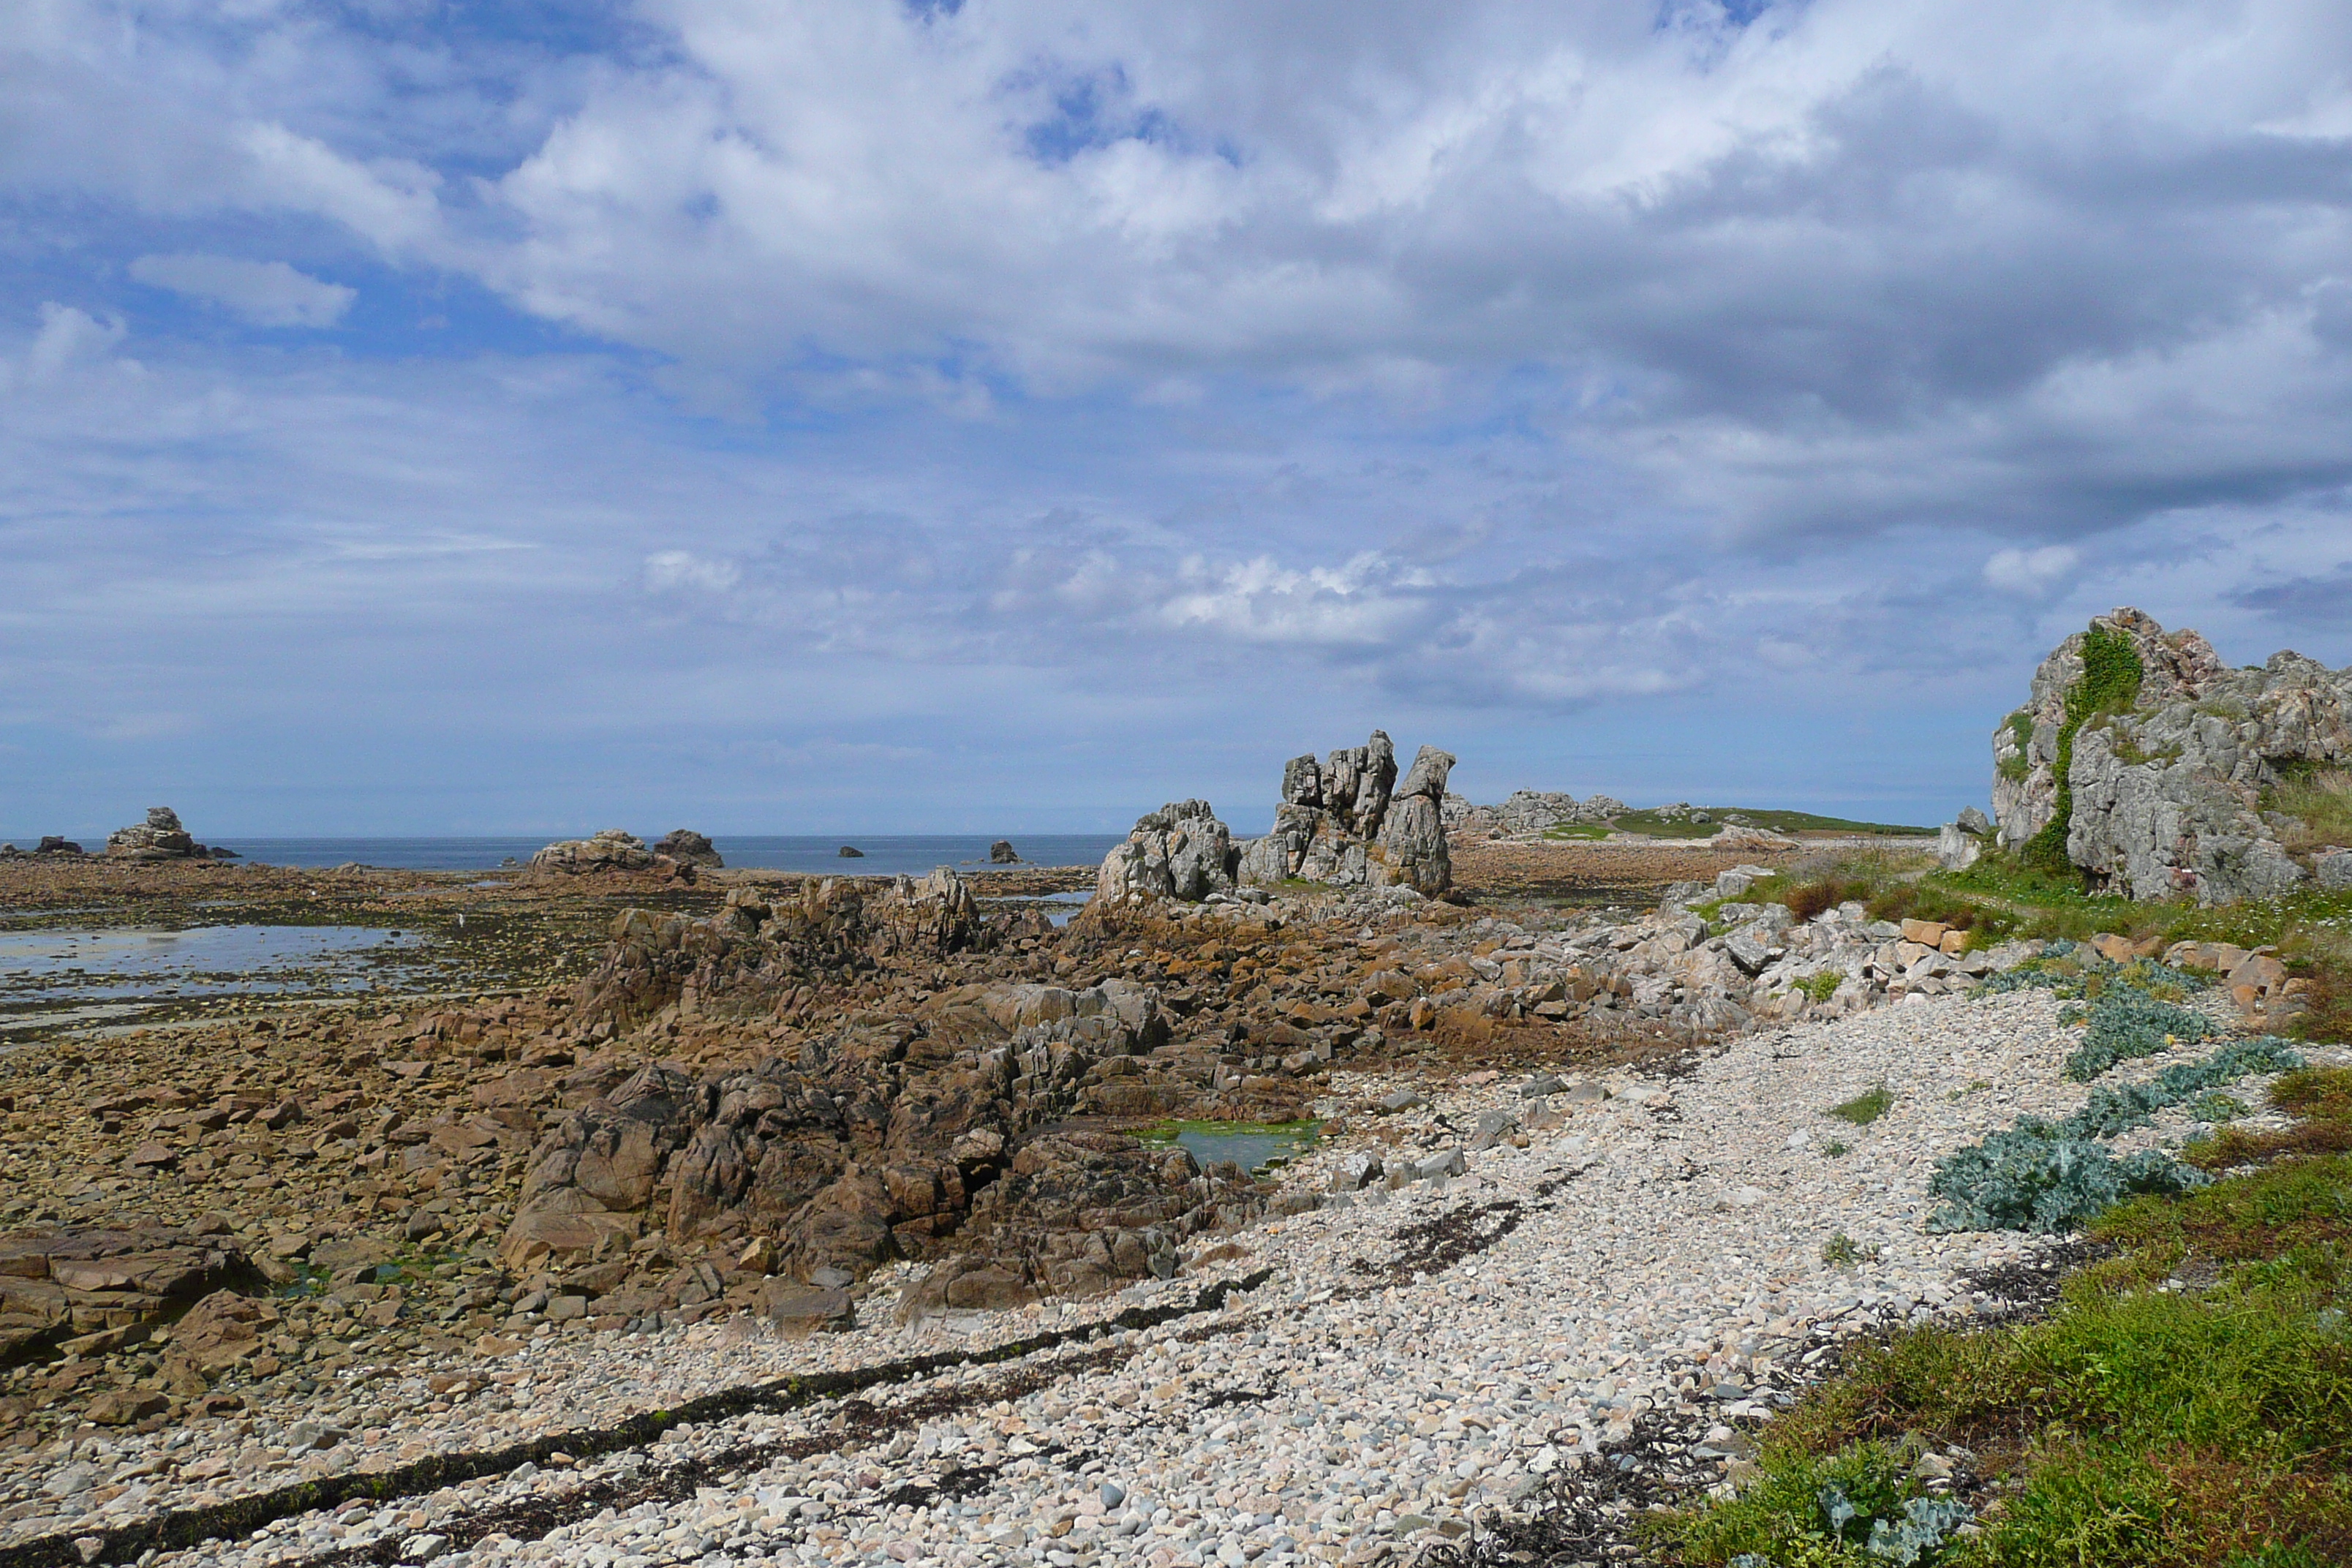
x=52, y=977
x=1251, y=1145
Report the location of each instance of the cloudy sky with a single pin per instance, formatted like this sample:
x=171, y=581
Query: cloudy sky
x=422, y=415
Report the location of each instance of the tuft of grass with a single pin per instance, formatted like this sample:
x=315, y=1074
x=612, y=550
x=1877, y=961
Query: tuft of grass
x=1863, y=1109
x=1844, y=1252
x=2320, y=800
x=1819, y=987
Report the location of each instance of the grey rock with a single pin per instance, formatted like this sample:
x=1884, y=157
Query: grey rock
x=1680, y=896
x=1746, y=948
x=160, y=837
x=1526, y=814
x=423, y=1548
x=2168, y=797
x=1956, y=849
x=1539, y=1085
x=1001, y=853
x=1399, y=1099
x=1738, y=879
x=1437, y=1166
x=1356, y=1172
x=850, y=852
x=800, y=1309
x=1494, y=1126
x=1971, y=820
x=1347, y=822
x=1181, y=851
x=610, y=850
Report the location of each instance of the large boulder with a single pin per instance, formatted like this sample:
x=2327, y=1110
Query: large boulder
x=1181, y=851
x=60, y=1282
x=2144, y=763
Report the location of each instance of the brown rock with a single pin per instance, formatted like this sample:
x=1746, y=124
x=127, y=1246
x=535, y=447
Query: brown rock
x=1927, y=933
x=119, y=1407
x=155, y=1156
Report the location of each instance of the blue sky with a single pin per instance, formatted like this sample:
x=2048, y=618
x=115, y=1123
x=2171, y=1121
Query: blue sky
x=429, y=416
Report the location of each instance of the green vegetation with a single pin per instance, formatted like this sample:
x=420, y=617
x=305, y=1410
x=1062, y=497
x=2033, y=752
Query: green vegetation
x=1819, y=987
x=1791, y=821
x=1863, y=1109
x=1843, y=1251
x=2320, y=801
x=2109, y=684
x=2188, y=1401
x=2020, y=726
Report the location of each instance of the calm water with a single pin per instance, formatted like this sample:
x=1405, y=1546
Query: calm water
x=53, y=977
x=886, y=856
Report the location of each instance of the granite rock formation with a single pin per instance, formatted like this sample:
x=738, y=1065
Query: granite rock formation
x=610, y=850
x=2143, y=761
x=93, y=1287
x=1001, y=853
x=160, y=837
x=1347, y=821
x=1181, y=851
x=690, y=849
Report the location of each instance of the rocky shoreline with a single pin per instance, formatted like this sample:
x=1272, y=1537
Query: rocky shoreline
x=1417, y=1352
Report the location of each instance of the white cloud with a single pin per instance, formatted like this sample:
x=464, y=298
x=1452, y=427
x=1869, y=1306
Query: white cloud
x=67, y=336
x=266, y=293
x=671, y=571
x=2031, y=571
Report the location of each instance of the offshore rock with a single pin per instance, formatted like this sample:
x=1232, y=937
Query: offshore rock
x=610, y=850
x=1181, y=851
x=1001, y=853
x=689, y=848
x=160, y=837
x=2188, y=785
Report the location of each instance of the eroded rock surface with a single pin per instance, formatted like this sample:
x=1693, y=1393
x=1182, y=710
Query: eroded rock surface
x=1347, y=821
x=2173, y=783
x=160, y=837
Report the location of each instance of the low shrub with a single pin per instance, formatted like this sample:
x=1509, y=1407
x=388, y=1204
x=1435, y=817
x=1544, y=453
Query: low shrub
x=1865, y=1108
x=2129, y=1021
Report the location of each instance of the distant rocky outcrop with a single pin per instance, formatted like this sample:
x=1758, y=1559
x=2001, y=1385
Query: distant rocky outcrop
x=1347, y=821
x=688, y=847
x=160, y=837
x=850, y=852
x=1527, y=812
x=610, y=850
x=2143, y=761
x=1001, y=853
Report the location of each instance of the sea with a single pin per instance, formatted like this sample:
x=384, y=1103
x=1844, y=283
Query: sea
x=885, y=855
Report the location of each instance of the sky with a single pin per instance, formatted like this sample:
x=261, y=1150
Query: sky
x=445, y=416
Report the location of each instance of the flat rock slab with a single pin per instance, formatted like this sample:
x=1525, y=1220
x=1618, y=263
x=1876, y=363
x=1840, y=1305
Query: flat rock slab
x=69, y=1279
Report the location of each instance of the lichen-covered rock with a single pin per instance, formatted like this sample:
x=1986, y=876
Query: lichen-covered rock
x=2143, y=761
x=1526, y=813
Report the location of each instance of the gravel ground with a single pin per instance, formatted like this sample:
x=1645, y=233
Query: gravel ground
x=1413, y=1356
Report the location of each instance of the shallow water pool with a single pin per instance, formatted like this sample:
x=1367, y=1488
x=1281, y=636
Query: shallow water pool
x=1251, y=1145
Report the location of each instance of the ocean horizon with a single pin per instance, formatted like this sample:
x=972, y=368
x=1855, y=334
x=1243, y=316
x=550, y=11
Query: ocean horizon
x=885, y=855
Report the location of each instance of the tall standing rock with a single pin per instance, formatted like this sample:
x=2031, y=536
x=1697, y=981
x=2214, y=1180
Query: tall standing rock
x=2144, y=763
x=1347, y=821
x=1181, y=851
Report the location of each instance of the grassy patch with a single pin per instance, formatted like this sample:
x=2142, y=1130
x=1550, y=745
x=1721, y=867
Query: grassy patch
x=2320, y=800
x=2014, y=767
x=1651, y=824
x=1863, y=1109
x=2188, y=1402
